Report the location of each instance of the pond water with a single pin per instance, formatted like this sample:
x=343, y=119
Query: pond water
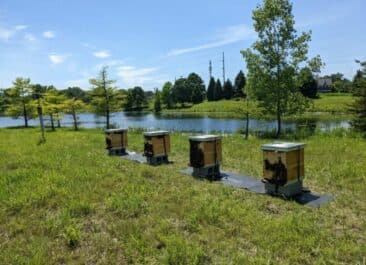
x=181, y=122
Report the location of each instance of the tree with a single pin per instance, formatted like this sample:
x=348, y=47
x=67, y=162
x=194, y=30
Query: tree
x=73, y=106
x=53, y=104
x=2, y=101
x=211, y=89
x=76, y=93
x=357, y=83
x=157, y=102
x=136, y=99
x=180, y=91
x=359, y=107
x=274, y=59
x=239, y=85
x=307, y=83
x=228, y=89
x=166, y=95
x=217, y=95
x=104, y=96
x=197, y=88
x=19, y=97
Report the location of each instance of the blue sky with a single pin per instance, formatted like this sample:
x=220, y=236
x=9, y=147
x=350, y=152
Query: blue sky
x=146, y=43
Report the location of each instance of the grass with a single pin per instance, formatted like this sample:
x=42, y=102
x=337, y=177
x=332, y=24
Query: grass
x=66, y=202
x=323, y=108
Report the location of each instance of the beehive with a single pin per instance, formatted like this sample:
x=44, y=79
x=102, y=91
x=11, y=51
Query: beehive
x=283, y=167
x=157, y=144
x=116, y=140
x=205, y=154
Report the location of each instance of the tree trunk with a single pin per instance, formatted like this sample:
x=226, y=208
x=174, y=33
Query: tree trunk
x=247, y=127
x=75, y=120
x=40, y=115
x=279, y=124
x=58, y=121
x=107, y=114
x=52, y=123
x=25, y=114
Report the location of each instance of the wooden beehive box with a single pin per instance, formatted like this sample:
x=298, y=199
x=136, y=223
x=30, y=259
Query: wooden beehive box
x=157, y=143
x=116, y=138
x=286, y=156
x=205, y=150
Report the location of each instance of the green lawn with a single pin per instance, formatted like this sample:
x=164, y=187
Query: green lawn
x=67, y=202
x=333, y=103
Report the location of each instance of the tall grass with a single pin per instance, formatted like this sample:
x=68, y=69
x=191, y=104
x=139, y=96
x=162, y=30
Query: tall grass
x=67, y=202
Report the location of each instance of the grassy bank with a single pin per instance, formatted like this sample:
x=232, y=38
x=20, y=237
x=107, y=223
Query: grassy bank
x=323, y=108
x=66, y=202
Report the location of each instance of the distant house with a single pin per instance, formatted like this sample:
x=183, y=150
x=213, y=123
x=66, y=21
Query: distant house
x=324, y=84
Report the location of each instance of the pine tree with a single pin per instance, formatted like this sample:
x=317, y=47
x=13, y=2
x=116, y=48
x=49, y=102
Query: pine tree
x=359, y=107
x=157, y=102
x=228, y=89
x=239, y=85
x=218, y=94
x=211, y=89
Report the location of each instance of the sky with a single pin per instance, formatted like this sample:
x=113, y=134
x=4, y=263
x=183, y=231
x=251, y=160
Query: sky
x=146, y=43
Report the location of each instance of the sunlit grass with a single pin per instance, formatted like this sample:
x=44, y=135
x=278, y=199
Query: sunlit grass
x=67, y=202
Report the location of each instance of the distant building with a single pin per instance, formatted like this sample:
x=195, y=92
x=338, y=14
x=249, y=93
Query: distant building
x=324, y=84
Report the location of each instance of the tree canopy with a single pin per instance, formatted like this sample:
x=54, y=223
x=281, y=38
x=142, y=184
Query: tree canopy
x=275, y=58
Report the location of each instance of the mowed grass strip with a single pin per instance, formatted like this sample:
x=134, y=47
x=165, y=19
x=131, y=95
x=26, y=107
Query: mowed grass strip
x=67, y=202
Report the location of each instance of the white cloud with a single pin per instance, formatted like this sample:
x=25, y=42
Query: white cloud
x=7, y=33
x=56, y=58
x=20, y=27
x=48, y=34
x=102, y=54
x=133, y=76
x=30, y=37
x=227, y=36
x=82, y=83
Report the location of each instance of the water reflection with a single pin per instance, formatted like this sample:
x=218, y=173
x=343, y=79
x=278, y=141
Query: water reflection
x=184, y=122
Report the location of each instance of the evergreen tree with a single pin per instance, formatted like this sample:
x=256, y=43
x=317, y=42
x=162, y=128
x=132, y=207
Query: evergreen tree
x=239, y=85
x=211, y=89
x=218, y=94
x=166, y=95
x=228, y=89
x=196, y=87
x=359, y=107
x=73, y=106
x=157, y=102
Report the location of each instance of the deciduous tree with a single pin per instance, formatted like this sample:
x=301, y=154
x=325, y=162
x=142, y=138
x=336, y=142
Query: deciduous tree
x=274, y=60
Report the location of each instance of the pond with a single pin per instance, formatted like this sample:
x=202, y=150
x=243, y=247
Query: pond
x=181, y=122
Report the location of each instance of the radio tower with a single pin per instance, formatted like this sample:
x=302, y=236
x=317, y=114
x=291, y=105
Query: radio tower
x=210, y=69
x=223, y=68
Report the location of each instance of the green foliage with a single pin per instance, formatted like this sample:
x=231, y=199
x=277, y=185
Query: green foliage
x=228, y=89
x=136, y=99
x=197, y=88
x=157, y=101
x=275, y=57
x=359, y=107
x=218, y=93
x=72, y=236
x=105, y=98
x=76, y=93
x=239, y=85
x=180, y=91
x=166, y=95
x=73, y=106
x=211, y=89
x=307, y=83
x=19, y=99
